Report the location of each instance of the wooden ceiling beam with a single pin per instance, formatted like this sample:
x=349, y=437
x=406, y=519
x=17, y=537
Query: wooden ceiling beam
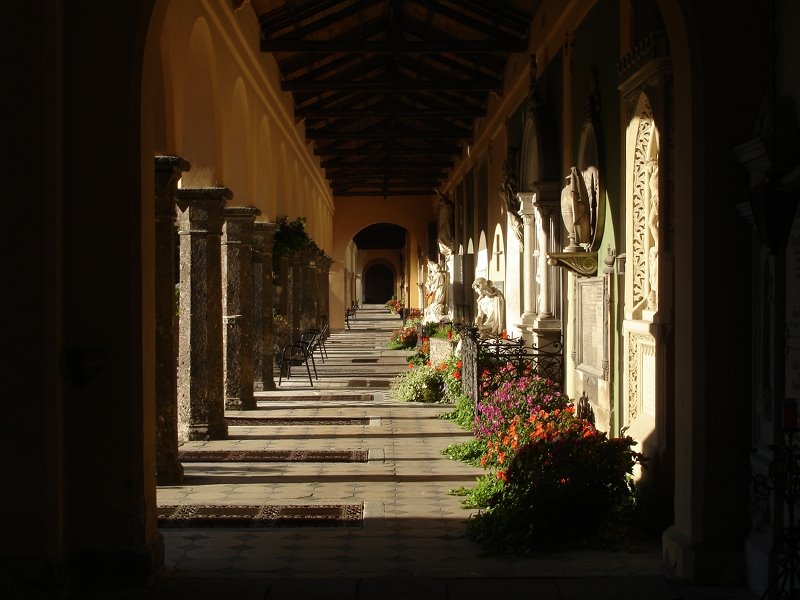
x=394, y=47
x=429, y=163
x=385, y=193
x=407, y=85
x=382, y=151
x=389, y=112
x=385, y=135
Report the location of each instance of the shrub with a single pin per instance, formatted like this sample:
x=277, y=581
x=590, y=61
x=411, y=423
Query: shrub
x=463, y=415
x=395, y=306
x=423, y=354
x=419, y=384
x=504, y=418
x=403, y=338
x=561, y=488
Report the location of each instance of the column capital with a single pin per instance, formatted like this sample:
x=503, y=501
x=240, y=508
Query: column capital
x=324, y=262
x=186, y=196
x=170, y=165
x=264, y=236
x=168, y=171
x=239, y=224
x=527, y=202
x=240, y=212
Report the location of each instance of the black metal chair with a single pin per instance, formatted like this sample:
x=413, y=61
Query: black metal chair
x=311, y=337
x=318, y=341
x=294, y=355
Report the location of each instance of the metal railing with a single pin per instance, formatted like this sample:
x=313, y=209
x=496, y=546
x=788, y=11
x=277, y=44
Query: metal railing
x=479, y=353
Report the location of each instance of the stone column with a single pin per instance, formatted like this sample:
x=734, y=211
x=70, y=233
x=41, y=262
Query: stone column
x=295, y=295
x=169, y=470
x=539, y=323
x=308, y=300
x=527, y=211
x=237, y=306
x=263, y=303
x=323, y=287
x=285, y=296
x=201, y=409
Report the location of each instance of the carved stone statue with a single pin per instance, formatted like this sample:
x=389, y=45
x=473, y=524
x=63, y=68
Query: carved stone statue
x=436, y=308
x=491, y=307
x=508, y=191
x=576, y=211
x=445, y=226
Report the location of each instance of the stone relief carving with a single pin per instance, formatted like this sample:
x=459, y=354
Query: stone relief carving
x=638, y=343
x=645, y=211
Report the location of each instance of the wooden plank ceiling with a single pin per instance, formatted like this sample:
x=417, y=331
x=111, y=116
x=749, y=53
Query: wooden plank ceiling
x=390, y=89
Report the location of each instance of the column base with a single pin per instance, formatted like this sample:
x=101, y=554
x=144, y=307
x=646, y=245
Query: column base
x=203, y=433
x=169, y=472
x=248, y=403
x=720, y=563
x=112, y=570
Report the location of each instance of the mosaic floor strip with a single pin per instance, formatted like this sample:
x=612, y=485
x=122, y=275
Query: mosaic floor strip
x=310, y=421
x=259, y=516
x=213, y=456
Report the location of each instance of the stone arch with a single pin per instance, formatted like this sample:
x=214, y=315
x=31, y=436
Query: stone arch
x=378, y=281
x=200, y=125
x=497, y=263
x=482, y=257
x=265, y=172
x=237, y=155
x=282, y=182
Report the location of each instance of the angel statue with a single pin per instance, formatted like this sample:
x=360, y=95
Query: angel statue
x=491, y=305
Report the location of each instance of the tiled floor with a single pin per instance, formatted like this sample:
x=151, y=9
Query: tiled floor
x=412, y=541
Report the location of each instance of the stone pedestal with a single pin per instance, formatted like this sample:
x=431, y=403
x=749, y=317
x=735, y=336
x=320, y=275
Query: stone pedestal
x=263, y=303
x=169, y=470
x=201, y=412
x=237, y=306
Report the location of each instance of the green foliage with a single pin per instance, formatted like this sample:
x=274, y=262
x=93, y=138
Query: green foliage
x=487, y=487
x=290, y=238
x=418, y=384
x=552, y=478
x=469, y=452
x=463, y=413
x=561, y=489
x=423, y=354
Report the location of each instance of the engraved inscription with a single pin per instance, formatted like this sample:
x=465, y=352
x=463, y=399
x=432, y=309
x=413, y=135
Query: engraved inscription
x=591, y=315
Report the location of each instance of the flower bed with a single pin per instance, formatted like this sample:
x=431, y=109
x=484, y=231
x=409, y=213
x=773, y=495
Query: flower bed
x=552, y=478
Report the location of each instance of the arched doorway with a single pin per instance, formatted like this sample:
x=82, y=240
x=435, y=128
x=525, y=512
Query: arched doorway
x=379, y=283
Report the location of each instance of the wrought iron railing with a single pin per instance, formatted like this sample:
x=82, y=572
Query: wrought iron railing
x=479, y=353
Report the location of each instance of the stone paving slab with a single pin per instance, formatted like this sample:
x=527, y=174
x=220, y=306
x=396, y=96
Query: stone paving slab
x=412, y=542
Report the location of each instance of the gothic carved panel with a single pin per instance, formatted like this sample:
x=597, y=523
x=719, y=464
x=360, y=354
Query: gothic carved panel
x=644, y=212
x=640, y=375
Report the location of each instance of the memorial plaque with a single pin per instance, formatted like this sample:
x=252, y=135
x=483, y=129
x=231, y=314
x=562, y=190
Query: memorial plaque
x=590, y=333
